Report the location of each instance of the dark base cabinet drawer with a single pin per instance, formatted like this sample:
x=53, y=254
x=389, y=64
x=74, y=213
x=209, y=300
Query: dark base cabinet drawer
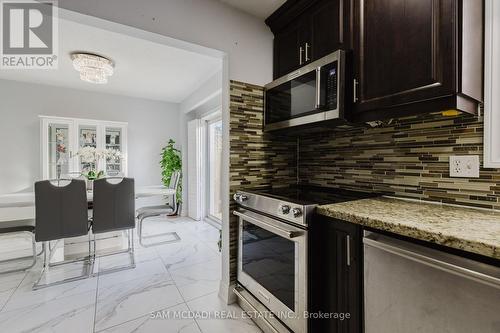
x=336, y=275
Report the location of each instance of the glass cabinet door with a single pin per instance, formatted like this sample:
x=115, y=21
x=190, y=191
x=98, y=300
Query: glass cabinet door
x=114, y=147
x=72, y=146
x=59, y=154
x=87, y=137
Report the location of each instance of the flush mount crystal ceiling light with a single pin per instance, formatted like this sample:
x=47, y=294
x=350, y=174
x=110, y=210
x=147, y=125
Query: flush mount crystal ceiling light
x=93, y=68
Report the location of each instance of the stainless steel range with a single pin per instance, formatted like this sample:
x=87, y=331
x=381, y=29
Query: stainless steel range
x=273, y=251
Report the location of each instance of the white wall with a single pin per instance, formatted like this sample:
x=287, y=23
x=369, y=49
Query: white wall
x=247, y=41
x=151, y=124
x=209, y=94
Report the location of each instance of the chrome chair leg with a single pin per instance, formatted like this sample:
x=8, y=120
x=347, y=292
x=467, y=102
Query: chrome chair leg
x=47, y=253
x=130, y=250
x=132, y=247
x=132, y=241
x=95, y=247
x=33, y=256
x=174, y=234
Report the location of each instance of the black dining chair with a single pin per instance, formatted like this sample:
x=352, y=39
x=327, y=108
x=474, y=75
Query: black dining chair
x=61, y=212
x=114, y=210
x=167, y=209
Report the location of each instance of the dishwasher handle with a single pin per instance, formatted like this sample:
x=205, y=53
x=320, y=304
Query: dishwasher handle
x=466, y=268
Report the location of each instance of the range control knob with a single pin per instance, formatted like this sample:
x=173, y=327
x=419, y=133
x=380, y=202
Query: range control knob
x=238, y=197
x=285, y=209
x=296, y=212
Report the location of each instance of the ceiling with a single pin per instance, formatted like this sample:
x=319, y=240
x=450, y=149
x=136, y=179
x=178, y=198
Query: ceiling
x=143, y=69
x=259, y=8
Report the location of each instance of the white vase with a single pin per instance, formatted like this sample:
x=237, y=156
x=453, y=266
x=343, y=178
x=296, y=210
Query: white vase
x=90, y=185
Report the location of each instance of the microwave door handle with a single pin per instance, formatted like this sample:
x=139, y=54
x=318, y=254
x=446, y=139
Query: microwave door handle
x=318, y=88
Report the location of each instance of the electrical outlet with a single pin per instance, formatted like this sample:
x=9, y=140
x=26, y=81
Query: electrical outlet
x=464, y=166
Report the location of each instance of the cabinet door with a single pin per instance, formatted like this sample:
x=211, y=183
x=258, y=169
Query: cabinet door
x=115, y=145
x=336, y=274
x=348, y=279
x=87, y=137
x=304, y=23
x=350, y=286
x=329, y=27
x=286, y=51
x=57, y=148
x=403, y=51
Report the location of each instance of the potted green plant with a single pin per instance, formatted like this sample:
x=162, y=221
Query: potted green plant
x=170, y=162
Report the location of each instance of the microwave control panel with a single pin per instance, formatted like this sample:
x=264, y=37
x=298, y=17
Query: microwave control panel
x=331, y=86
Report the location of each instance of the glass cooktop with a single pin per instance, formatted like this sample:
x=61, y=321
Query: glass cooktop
x=314, y=195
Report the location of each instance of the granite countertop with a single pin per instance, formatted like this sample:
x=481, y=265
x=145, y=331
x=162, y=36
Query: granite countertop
x=468, y=229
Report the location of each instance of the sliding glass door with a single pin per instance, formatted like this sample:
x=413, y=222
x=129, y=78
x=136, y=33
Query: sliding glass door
x=214, y=141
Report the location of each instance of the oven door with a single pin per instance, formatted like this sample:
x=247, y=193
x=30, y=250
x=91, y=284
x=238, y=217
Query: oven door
x=272, y=265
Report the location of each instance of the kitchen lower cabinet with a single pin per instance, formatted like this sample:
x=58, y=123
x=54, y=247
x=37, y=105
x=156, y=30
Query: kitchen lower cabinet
x=336, y=275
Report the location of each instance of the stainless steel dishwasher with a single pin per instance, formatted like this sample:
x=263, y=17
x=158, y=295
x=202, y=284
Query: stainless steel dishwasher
x=412, y=288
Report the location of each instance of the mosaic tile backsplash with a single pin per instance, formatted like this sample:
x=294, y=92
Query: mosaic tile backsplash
x=257, y=160
x=406, y=158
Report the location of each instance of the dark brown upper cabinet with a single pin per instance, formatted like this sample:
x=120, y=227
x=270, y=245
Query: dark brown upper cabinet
x=414, y=56
x=329, y=26
x=306, y=30
x=408, y=56
x=286, y=57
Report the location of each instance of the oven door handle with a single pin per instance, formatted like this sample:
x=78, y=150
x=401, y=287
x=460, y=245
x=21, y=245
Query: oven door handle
x=277, y=230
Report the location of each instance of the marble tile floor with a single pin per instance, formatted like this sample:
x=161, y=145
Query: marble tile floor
x=174, y=288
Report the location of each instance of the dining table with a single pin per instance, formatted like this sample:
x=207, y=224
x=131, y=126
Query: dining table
x=21, y=206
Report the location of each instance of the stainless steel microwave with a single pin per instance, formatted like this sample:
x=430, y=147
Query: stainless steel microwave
x=311, y=94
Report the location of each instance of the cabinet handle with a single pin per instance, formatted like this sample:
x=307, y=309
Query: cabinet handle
x=307, y=52
x=355, y=90
x=318, y=87
x=348, y=249
x=301, y=50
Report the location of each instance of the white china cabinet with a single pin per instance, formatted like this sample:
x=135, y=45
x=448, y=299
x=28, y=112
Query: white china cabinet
x=62, y=138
